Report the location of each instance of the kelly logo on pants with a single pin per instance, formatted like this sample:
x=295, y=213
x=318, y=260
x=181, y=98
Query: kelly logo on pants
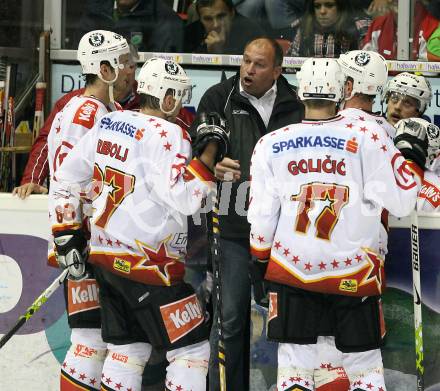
x=83, y=296
x=180, y=317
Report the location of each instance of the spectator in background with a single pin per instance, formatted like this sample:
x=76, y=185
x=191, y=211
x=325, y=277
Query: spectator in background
x=328, y=28
x=150, y=25
x=279, y=13
x=220, y=29
x=255, y=101
x=382, y=34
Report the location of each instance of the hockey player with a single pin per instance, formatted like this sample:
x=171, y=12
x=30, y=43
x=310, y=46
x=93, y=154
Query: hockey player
x=429, y=195
x=316, y=195
x=105, y=60
x=143, y=186
x=406, y=96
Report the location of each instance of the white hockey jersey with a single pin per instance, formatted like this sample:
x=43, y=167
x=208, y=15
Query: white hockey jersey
x=361, y=115
x=142, y=189
x=68, y=127
x=317, y=191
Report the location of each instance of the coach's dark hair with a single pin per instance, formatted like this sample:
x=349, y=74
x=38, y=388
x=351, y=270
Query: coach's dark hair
x=151, y=102
x=277, y=49
x=210, y=3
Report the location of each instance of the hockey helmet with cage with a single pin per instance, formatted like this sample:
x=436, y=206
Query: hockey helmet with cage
x=157, y=76
x=101, y=45
x=320, y=78
x=415, y=86
x=367, y=69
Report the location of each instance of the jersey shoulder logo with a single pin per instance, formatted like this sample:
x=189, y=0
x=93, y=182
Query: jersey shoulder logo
x=85, y=115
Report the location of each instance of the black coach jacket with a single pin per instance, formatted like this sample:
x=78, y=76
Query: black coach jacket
x=246, y=128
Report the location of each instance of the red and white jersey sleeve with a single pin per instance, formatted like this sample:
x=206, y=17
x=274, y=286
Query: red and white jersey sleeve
x=317, y=191
x=143, y=186
x=429, y=195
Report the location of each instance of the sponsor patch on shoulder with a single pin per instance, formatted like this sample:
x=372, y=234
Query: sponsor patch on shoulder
x=85, y=115
x=181, y=317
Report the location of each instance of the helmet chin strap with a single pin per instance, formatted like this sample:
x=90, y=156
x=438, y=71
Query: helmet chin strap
x=110, y=84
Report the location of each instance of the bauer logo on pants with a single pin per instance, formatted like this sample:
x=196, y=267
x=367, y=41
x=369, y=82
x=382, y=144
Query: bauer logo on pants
x=181, y=317
x=83, y=296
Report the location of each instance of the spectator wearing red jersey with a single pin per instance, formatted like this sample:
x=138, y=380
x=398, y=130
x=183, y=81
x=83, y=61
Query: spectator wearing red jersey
x=382, y=34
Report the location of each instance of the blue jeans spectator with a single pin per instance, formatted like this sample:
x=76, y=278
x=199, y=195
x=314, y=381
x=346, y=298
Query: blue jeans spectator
x=236, y=295
x=279, y=13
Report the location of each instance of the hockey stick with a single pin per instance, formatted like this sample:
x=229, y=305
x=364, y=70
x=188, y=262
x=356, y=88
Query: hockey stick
x=216, y=259
x=40, y=91
x=35, y=306
x=415, y=257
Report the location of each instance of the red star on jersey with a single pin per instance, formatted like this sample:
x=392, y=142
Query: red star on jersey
x=157, y=259
x=64, y=364
x=170, y=384
x=82, y=376
x=118, y=386
x=308, y=266
x=374, y=137
x=118, y=243
x=163, y=134
x=380, y=389
x=358, y=258
x=284, y=384
x=286, y=129
x=197, y=192
x=348, y=262
x=58, y=129
x=72, y=371
x=322, y=265
x=286, y=252
x=179, y=388
x=369, y=386
x=108, y=380
x=277, y=245
x=151, y=120
x=335, y=264
x=374, y=273
x=92, y=381
x=384, y=148
x=109, y=242
x=100, y=239
x=363, y=129
x=349, y=125
x=167, y=146
x=361, y=118
x=295, y=259
x=157, y=125
x=260, y=238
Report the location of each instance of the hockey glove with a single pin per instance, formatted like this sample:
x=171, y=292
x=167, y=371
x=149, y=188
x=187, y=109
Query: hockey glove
x=412, y=141
x=212, y=127
x=71, y=247
x=261, y=288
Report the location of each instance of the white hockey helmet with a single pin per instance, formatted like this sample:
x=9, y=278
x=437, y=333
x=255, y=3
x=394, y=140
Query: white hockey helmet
x=157, y=76
x=433, y=134
x=320, y=78
x=101, y=45
x=367, y=69
x=411, y=85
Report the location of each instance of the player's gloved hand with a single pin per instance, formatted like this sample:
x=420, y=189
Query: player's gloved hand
x=71, y=246
x=212, y=127
x=204, y=292
x=261, y=288
x=412, y=140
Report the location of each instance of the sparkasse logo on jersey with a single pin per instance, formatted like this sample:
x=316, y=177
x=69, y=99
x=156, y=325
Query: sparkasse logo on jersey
x=316, y=142
x=180, y=317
